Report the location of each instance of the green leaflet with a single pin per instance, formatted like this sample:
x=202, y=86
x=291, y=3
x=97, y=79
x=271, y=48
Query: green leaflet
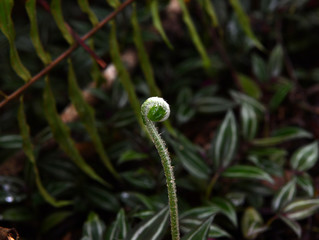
x=85, y=7
x=293, y=225
x=61, y=134
x=86, y=113
x=124, y=75
x=194, y=35
x=157, y=22
x=252, y=223
x=56, y=11
x=93, y=228
x=7, y=27
x=143, y=56
x=245, y=23
x=113, y=3
x=210, y=10
x=119, y=228
x=30, y=6
x=28, y=149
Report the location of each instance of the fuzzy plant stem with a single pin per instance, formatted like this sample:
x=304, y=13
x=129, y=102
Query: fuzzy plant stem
x=155, y=109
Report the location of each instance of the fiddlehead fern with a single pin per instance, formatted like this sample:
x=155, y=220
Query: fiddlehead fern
x=155, y=109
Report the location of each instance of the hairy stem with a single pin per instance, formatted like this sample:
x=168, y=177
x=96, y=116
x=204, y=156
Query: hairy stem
x=153, y=108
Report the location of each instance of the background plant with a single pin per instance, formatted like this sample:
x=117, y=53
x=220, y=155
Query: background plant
x=241, y=79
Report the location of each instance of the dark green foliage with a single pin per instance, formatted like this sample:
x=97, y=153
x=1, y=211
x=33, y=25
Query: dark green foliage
x=241, y=78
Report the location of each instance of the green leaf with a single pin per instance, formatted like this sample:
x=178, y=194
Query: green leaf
x=93, y=228
x=17, y=214
x=143, y=56
x=301, y=209
x=114, y=3
x=242, y=98
x=61, y=134
x=283, y=135
x=54, y=219
x=153, y=228
x=281, y=91
x=157, y=22
x=131, y=155
x=56, y=10
x=139, y=178
x=259, y=68
x=86, y=113
x=305, y=157
x=225, y=142
x=124, y=76
x=208, y=7
x=194, y=35
x=249, y=121
x=11, y=141
x=201, y=232
x=293, y=225
x=252, y=223
x=200, y=212
x=7, y=27
x=28, y=150
x=305, y=182
x=119, y=227
x=245, y=23
x=226, y=208
x=249, y=86
x=85, y=7
x=285, y=195
x=190, y=160
x=276, y=61
x=207, y=104
x=30, y=6
x=248, y=172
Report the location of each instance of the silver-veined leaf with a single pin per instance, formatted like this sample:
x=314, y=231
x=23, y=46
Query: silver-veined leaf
x=119, y=228
x=283, y=135
x=276, y=61
x=248, y=172
x=252, y=223
x=305, y=157
x=259, y=68
x=300, y=209
x=242, y=98
x=285, y=195
x=249, y=121
x=225, y=142
x=293, y=225
x=201, y=232
x=93, y=228
x=305, y=182
x=226, y=208
x=153, y=228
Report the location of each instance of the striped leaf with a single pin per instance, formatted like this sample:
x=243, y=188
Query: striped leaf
x=301, y=209
x=85, y=7
x=7, y=28
x=61, y=134
x=201, y=232
x=225, y=142
x=86, y=113
x=56, y=10
x=249, y=121
x=93, y=228
x=226, y=208
x=30, y=6
x=119, y=227
x=283, y=135
x=247, y=172
x=252, y=224
x=194, y=35
x=305, y=157
x=153, y=228
x=276, y=61
x=245, y=23
x=305, y=182
x=28, y=150
x=293, y=225
x=157, y=22
x=285, y=195
x=124, y=75
x=241, y=98
x=143, y=56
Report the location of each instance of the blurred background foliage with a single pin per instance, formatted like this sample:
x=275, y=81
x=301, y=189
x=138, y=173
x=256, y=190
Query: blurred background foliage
x=241, y=77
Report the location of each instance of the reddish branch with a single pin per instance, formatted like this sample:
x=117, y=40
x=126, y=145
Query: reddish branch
x=65, y=54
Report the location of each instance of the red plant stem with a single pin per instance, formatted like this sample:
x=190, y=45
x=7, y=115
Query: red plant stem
x=65, y=54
